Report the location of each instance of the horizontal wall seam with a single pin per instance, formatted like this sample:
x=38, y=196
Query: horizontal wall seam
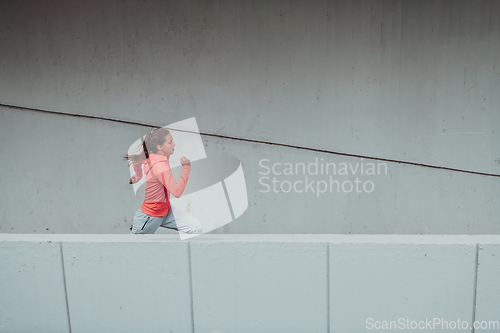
x=259, y=141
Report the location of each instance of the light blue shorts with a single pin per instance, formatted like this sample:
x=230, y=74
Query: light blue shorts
x=184, y=222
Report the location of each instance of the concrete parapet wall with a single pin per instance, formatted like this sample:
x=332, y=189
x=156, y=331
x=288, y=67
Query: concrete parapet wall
x=243, y=283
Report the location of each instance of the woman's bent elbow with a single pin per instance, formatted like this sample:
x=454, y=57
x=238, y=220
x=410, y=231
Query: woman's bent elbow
x=177, y=195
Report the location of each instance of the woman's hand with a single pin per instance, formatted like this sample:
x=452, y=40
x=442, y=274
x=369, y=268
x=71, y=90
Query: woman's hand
x=133, y=180
x=185, y=161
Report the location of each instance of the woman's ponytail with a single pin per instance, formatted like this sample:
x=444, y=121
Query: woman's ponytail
x=144, y=145
x=151, y=140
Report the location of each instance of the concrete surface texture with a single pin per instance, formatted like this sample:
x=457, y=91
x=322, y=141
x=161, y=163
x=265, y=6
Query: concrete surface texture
x=32, y=288
x=410, y=84
x=487, y=302
x=245, y=283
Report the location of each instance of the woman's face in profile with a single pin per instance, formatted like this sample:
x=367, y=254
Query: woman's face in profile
x=168, y=147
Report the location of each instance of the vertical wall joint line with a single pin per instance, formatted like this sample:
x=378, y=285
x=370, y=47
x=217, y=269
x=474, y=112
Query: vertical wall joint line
x=328, y=287
x=65, y=288
x=474, y=296
x=191, y=286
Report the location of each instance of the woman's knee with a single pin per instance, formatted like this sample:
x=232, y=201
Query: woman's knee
x=195, y=227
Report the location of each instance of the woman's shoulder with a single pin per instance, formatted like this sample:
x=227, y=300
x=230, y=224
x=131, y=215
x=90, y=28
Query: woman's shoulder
x=160, y=162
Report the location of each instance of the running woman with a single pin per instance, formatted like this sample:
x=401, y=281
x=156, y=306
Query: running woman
x=156, y=209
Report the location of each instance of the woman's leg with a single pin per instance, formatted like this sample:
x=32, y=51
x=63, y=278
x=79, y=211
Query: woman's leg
x=182, y=221
x=145, y=224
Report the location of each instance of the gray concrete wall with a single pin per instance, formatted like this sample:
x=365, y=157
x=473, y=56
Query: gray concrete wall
x=407, y=81
x=247, y=283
